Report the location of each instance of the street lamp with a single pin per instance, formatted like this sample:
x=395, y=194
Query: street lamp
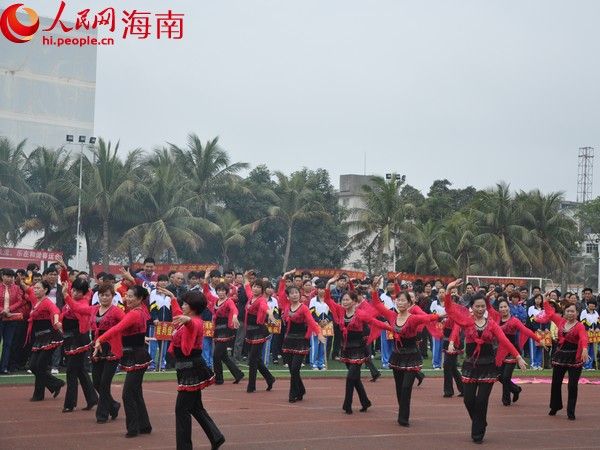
x=82, y=140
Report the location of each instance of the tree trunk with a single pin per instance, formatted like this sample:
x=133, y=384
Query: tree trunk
x=288, y=247
x=379, y=261
x=90, y=263
x=105, y=256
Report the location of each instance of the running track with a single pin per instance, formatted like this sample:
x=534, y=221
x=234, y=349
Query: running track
x=266, y=420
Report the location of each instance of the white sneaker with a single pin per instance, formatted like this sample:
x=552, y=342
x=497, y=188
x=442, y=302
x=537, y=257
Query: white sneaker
x=315, y=368
x=54, y=371
x=29, y=371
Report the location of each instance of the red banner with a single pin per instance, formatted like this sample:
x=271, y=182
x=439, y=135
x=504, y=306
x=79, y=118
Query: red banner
x=18, y=258
x=330, y=273
x=159, y=268
x=164, y=331
x=412, y=277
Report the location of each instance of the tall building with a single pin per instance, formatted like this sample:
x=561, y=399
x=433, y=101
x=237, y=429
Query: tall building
x=47, y=92
x=350, y=197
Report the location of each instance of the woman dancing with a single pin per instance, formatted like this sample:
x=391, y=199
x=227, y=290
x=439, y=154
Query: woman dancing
x=46, y=328
x=127, y=339
x=571, y=354
x=512, y=327
x=300, y=325
x=257, y=333
x=104, y=316
x=193, y=374
x=480, y=368
x=76, y=344
x=406, y=360
x=352, y=322
x=225, y=321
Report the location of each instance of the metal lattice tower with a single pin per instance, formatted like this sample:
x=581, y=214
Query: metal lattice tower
x=585, y=174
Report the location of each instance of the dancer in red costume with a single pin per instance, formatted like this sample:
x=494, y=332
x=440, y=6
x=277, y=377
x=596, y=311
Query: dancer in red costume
x=352, y=321
x=300, y=325
x=406, y=360
x=480, y=368
x=46, y=328
x=127, y=341
x=571, y=354
x=193, y=375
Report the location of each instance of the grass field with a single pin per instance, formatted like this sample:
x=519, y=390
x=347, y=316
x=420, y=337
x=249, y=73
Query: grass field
x=335, y=369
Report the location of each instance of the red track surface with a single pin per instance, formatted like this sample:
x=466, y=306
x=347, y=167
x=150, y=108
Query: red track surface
x=266, y=419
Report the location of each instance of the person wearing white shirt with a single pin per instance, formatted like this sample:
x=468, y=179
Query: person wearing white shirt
x=591, y=321
x=387, y=345
x=437, y=307
x=322, y=315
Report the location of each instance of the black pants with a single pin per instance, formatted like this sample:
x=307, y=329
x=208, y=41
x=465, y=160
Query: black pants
x=558, y=373
x=240, y=342
x=424, y=338
x=19, y=351
x=353, y=382
x=477, y=396
x=255, y=363
x=404, y=383
x=43, y=379
x=294, y=363
x=451, y=373
x=337, y=341
x=76, y=373
x=102, y=374
x=369, y=362
x=190, y=404
x=276, y=341
x=136, y=415
x=221, y=356
x=508, y=387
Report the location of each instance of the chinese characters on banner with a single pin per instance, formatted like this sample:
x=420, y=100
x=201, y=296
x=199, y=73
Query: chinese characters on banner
x=164, y=331
x=137, y=24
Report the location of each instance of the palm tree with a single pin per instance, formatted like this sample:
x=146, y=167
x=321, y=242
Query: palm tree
x=465, y=246
x=13, y=190
x=229, y=232
x=157, y=221
x=46, y=172
x=499, y=220
x=294, y=201
x=207, y=171
x=377, y=224
x=424, y=243
x=111, y=181
x=553, y=234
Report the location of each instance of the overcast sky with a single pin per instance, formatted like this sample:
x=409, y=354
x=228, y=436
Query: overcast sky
x=473, y=91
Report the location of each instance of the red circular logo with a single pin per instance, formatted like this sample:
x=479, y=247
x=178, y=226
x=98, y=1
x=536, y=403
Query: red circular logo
x=14, y=30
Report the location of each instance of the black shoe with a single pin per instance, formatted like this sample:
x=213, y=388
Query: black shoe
x=90, y=406
x=270, y=384
x=101, y=420
x=238, y=379
x=348, y=410
x=217, y=444
x=292, y=399
x=365, y=407
x=130, y=435
x=448, y=395
x=403, y=423
x=477, y=439
x=506, y=402
x=571, y=416
x=553, y=412
x=420, y=377
x=516, y=394
x=461, y=395
x=250, y=390
x=115, y=413
x=68, y=410
x=220, y=382
x=377, y=375
x=146, y=430
x=57, y=391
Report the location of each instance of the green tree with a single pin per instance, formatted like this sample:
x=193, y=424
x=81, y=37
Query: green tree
x=208, y=172
x=13, y=190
